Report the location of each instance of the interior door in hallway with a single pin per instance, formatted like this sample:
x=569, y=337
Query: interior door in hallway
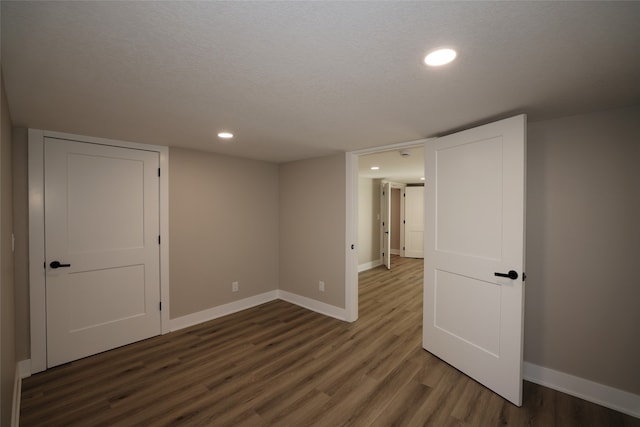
x=102, y=248
x=414, y=222
x=386, y=224
x=474, y=253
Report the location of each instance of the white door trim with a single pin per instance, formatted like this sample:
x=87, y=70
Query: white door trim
x=37, y=243
x=351, y=237
x=351, y=226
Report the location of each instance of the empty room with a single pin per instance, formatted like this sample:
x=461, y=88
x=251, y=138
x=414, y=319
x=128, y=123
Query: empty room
x=319, y=213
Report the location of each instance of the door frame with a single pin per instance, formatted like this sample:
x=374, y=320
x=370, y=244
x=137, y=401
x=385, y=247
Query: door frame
x=351, y=226
x=37, y=291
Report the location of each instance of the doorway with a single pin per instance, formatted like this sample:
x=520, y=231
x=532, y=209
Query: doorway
x=367, y=190
x=384, y=177
x=474, y=211
x=392, y=230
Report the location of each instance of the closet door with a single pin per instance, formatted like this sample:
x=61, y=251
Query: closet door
x=101, y=246
x=414, y=222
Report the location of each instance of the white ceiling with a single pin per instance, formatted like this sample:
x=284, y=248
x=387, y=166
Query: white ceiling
x=295, y=80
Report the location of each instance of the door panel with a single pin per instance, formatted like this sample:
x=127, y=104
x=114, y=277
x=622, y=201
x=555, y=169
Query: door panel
x=469, y=207
x=96, y=196
x=102, y=218
x=477, y=320
x=114, y=295
x=474, y=211
x=414, y=222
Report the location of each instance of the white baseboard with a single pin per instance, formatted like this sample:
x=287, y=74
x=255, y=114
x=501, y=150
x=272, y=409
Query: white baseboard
x=369, y=265
x=23, y=370
x=221, y=310
x=619, y=400
x=313, y=305
x=17, y=394
x=233, y=307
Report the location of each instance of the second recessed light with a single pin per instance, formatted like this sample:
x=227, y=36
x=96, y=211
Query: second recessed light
x=440, y=57
x=225, y=135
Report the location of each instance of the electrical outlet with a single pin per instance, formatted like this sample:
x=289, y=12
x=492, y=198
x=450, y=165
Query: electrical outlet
x=321, y=286
x=234, y=287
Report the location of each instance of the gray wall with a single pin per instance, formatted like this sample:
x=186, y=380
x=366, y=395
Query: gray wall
x=583, y=239
x=368, y=222
x=7, y=303
x=223, y=223
x=312, y=228
x=21, y=232
x=583, y=247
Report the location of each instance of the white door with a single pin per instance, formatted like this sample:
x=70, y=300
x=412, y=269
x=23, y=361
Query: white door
x=101, y=228
x=386, y=224
x=414, y=222
x=474, y=205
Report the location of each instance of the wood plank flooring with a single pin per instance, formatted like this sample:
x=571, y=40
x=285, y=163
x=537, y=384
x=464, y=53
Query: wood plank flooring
x=281, y=365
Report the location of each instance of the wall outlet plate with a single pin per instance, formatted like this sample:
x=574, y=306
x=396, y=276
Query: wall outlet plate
x=234, y=287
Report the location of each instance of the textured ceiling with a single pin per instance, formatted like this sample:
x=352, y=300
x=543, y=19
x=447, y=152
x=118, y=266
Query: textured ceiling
x=295, y=80
x=407, y=168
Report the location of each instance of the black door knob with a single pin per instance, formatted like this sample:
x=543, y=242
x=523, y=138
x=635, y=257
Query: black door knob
x=512, y=274
x=57, y=264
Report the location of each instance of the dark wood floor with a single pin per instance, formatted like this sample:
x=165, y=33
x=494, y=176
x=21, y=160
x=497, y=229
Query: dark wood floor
x=279, y=364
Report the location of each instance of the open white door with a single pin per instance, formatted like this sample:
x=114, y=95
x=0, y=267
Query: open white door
x=386, y=224
x=474, y=229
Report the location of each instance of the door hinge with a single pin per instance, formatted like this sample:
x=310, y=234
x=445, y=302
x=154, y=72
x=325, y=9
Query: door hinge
x=524, y=276
x=160, y=304
x=158, y=171
x=158, y=239
x=404, y=222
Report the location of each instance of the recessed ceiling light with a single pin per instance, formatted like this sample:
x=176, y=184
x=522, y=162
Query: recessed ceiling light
x=440, y=57
x=422, y=179
x=225, y=135
x=375, y=168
